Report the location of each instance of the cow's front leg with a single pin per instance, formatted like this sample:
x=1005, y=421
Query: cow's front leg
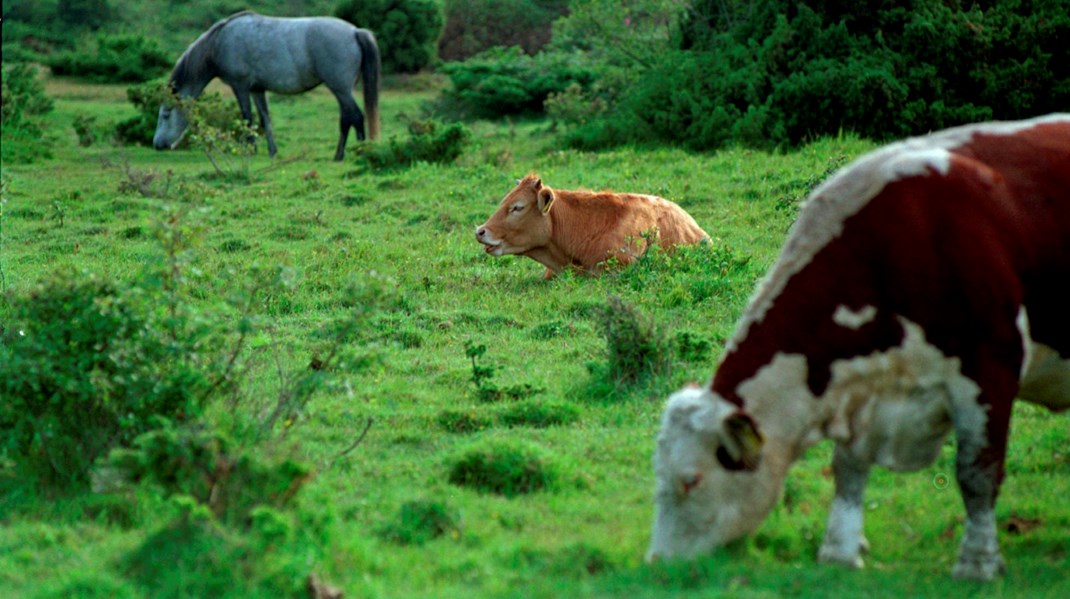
x=844, y=542
x=979, y=470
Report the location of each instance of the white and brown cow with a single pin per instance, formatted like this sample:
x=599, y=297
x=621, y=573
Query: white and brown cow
x=921, y=290
x=560, y=228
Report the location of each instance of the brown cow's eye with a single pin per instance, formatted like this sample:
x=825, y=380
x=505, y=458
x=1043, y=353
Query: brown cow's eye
x=517, y=207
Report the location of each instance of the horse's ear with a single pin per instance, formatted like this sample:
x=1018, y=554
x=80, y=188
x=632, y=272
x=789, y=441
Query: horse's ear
x=545, y=199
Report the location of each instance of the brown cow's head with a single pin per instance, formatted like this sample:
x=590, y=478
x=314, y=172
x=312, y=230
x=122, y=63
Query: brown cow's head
x=522, y=221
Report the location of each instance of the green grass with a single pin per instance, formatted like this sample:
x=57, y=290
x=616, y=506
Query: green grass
x=328, y=224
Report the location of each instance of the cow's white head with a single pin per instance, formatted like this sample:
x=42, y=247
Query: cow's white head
x=711, y=483
x=522, y=221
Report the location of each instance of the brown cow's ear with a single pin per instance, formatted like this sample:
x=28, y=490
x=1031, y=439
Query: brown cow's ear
x=742, y=443
x=546, y=199
x=536, y=184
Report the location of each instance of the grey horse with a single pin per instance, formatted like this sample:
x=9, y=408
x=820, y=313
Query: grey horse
x=254, y=54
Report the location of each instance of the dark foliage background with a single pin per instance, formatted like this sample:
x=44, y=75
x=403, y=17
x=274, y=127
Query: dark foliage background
x=781, y=73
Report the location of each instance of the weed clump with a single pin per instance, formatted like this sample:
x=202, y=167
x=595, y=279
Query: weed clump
x=538, y=414
x=200, y=463
x=508, y=469
x=462, y=421
x=637, y=348
x=421, y=521
x=429, y=141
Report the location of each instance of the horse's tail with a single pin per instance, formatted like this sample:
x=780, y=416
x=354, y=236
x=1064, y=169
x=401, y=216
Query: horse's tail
x=370, y=65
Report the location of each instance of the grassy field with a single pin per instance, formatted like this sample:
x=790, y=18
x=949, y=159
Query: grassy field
x=328, y=224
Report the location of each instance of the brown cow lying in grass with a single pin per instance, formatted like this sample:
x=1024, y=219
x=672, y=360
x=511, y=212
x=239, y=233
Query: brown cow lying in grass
x=560, y=228
x=921, y=290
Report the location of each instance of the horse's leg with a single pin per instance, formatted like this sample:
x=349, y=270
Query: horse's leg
x=242, y=94
x=265, y=120
x=349, y=115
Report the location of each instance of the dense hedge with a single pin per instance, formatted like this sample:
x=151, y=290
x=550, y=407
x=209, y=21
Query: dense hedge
x=473, y=26
x=406, y=30
x=118, y=59
x=505, y=81
x=780, y=73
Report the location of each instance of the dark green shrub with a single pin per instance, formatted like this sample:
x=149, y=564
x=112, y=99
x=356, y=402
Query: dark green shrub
x=505, y=81
x=691, y=348
x=636, y=346
x=126, y=58
x=91, y=14
x=23, y=103
x=406, y=30
x=473, y=26
x=782, y=73
x=429, y=141
x=89, y=366
x=421, y=521
x=462, y=421
x=23, y=96
x=201, y=463
x=508, y=469
x=540, y=414
x=87, y=129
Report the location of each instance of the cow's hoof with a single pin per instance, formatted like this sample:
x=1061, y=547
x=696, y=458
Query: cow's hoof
x=979, y=567
x=834, y=555
x=863, y=546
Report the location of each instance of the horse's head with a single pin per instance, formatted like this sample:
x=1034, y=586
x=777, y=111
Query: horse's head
x=170, y=126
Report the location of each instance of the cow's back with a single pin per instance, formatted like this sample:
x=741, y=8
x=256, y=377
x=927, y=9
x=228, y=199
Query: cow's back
x=955, y=233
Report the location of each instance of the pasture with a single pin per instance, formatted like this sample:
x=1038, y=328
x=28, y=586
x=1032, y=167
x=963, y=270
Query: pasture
x=327, y=224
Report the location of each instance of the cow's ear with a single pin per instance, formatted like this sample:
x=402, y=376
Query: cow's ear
x=741, y=447
x=546, y=199
x=536, y=184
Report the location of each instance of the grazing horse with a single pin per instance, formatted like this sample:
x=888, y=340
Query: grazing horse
x=254, y=54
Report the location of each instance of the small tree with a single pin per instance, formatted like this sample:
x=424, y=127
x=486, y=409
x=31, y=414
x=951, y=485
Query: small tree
x=407, y=30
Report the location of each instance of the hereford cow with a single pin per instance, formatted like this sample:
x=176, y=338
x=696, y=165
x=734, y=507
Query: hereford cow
x=559, y=228
x=921, y=290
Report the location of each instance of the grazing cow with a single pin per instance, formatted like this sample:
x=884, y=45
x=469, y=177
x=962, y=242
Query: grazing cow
x=559, y=228
x=921, y=290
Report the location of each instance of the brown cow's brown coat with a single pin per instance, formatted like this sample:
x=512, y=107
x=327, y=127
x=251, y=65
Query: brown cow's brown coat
x=560, y=228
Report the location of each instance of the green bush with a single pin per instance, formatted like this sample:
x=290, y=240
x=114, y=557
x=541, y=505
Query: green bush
x=84, y=13
x=125, y=58
x=89, y=366
x=782, y=73
x=636, y=346
x=540, y=414
x=201, y=463
x=406, y=30
x=462, y=421
x=508, y=469
x=421, y=521
x=505, y=81
x=473, y=26
x=23, y=103
x=429, y=141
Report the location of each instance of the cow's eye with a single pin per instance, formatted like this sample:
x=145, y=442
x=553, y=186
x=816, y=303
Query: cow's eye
x=516, y=208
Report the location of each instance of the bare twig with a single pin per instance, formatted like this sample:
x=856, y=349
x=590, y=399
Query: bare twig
x=352, y=445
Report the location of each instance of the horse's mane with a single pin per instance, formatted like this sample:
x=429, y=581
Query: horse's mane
x=194, y=62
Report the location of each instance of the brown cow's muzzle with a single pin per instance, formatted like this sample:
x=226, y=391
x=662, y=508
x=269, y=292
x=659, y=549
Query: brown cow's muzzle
x=484, y=236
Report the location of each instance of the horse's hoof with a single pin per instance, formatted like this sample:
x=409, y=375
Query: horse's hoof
x=833, y=555
x=980, y=567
